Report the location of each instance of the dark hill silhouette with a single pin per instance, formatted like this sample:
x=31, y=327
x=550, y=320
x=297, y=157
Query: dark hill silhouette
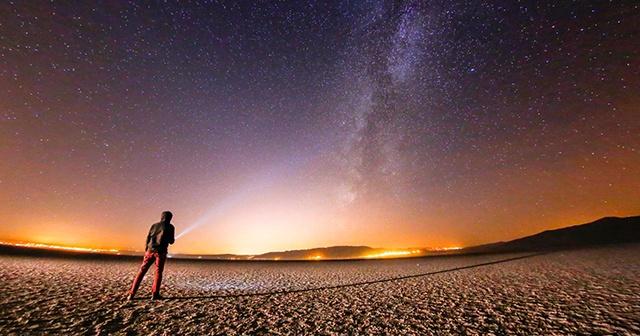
x=608, y=230
x=334, y=252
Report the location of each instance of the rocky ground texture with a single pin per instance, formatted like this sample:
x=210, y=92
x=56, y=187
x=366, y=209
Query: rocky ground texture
x=588, y=291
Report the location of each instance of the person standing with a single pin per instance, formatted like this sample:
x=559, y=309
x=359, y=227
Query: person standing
x=160, y=236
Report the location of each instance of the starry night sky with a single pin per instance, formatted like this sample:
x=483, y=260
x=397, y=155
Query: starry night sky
x=276, y=125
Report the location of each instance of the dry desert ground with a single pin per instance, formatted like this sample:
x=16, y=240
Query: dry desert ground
x=587, y=291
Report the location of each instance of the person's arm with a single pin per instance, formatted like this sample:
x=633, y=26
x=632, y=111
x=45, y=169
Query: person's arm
x=148, y=238
x=172, y=232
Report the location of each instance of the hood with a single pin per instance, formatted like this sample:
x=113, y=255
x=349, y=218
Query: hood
x=166, y=216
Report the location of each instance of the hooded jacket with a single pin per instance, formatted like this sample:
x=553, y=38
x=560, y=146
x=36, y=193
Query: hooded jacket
x=161, y=235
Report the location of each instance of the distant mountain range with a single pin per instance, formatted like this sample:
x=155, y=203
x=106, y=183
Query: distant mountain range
x=609, y=230
x=334, y=252
x=320, y=253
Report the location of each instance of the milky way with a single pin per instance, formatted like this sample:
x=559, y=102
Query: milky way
x=280, y=125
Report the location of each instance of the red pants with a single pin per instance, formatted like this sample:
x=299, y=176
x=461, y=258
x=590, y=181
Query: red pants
x=150, y=258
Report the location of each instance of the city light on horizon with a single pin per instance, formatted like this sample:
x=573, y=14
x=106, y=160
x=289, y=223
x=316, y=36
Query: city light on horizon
x=60, y=247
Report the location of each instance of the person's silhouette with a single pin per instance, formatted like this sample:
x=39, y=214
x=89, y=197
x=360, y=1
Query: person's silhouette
x=160, y=236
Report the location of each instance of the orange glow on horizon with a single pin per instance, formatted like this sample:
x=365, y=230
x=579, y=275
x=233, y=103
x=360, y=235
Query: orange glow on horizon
x=446, y=248
x=400, y=254
x=389, y=254
x=382, y=255
x=59, y=247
